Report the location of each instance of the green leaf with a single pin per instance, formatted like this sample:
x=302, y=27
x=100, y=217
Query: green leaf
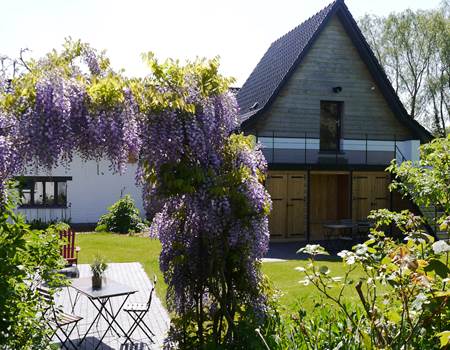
x=394, y=316
x=444, y=338
x=438, y=267
x=367, y=341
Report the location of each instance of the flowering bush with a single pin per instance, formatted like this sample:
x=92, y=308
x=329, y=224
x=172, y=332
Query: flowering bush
x=404, y=295
x=60, y=106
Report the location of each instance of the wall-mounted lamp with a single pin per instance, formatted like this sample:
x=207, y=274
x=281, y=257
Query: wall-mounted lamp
x=337, y=89
x=372, y=88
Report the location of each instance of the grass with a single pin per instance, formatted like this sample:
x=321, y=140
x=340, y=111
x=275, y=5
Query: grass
x=123, y=248
x=294, y=294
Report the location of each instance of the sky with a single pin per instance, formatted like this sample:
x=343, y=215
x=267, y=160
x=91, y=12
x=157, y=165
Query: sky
x=239, y=31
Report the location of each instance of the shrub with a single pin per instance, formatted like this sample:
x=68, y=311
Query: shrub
x=123, y=217
x=404, y=295
x=39, y=224
x=27, y=258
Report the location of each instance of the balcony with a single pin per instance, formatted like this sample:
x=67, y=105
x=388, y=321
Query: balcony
x=364, y=150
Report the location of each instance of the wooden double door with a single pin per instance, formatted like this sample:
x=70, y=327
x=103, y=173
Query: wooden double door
x=369, y=192
x=288, y=216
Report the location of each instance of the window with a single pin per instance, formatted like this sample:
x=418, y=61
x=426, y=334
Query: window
x=330, y=125
x=45, y=192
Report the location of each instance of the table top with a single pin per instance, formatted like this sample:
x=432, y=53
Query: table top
x=110, y=288
x=338, y=225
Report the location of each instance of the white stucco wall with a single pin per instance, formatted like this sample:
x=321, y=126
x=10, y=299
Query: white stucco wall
x=92, y=189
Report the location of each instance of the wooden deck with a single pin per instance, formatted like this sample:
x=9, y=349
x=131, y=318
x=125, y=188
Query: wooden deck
x=133, y=275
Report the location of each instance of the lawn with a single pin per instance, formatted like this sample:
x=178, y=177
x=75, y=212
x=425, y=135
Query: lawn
x=123, y=248
x=294, y=294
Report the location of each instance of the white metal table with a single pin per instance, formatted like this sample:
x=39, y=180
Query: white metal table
x=100, y=298
x=337, y=227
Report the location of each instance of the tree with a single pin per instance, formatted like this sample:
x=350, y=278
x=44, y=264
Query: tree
x=413, y=49
x=426, y=181
x=202, y=181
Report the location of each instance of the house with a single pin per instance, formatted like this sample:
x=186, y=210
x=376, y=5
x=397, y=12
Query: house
x=326, y=115
x=329, y=123
x=80, y=193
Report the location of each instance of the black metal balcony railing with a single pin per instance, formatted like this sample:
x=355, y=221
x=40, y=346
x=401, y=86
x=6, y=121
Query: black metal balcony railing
x=363, y=150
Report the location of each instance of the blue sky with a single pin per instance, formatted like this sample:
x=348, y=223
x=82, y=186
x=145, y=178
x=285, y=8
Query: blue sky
x=238, y=31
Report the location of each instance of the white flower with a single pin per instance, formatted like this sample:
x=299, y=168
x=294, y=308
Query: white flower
x=440, y=247
x=361, y=249
x=300, y=269
x=305, y=282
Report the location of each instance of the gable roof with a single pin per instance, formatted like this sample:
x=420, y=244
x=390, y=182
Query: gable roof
x=286, y=53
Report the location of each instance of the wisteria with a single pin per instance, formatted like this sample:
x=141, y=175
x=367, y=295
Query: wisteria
x=65, y=113
x=213, y=221
x=10, y=160
x=202, y=182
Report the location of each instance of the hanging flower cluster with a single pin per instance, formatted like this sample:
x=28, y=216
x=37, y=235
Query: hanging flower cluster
x=61, y=109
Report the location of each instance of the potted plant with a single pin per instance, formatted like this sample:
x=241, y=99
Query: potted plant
x=98, y=266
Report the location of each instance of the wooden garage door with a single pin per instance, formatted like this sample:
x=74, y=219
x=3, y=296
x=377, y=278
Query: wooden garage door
x=277, y=186
x=370, y=192
x=287, y=190
x=296, y=205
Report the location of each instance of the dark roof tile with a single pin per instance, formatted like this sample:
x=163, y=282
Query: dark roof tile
x=277, y=62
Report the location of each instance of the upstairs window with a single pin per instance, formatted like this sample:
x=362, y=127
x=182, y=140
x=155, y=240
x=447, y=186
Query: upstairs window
x=43, y=192
x=330, y=125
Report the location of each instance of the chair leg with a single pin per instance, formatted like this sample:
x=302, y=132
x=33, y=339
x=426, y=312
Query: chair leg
x=133, y=325
x=147, y=327
x=67, y=336
x=138, y=319
x=70, y=333
x=143, y=330
x=63, y=342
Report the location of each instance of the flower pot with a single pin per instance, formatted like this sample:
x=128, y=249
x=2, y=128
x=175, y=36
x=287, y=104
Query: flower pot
x=96, y=281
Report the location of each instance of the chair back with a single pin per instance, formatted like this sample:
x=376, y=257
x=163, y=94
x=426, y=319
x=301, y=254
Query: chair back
x=44, y=293
x=67, y=248
x=151, y=292
x=48, y=301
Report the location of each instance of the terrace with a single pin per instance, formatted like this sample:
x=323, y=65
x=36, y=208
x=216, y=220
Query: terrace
x=128, y=274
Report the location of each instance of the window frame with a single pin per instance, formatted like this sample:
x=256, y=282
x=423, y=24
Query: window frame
x=32, y=180
x=340, y=112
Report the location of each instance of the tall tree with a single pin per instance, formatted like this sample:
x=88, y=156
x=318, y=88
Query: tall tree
x=414, y=50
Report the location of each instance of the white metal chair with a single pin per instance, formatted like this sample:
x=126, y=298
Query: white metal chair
x=57, y=319
x=137, y=312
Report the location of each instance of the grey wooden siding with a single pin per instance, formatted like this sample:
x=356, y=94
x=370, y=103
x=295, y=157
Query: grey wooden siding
x=332, y=61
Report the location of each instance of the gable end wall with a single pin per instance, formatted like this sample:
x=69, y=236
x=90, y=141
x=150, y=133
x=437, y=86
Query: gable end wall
x=332, y=61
